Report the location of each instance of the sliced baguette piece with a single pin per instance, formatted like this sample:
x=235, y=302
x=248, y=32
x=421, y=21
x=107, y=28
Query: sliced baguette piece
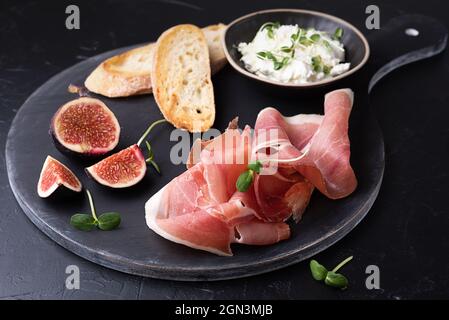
x=123, y=75
x=128, y=73
x=181, y=78
x=217, y=56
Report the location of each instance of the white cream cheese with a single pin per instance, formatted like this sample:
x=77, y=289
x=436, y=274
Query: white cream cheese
x=290, y=54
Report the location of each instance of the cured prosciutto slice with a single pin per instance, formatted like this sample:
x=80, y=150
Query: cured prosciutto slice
x=280, y=196
x=316, y=146
x=201, y=208
x=257, y=232
x=212, y=227
x=189, y=212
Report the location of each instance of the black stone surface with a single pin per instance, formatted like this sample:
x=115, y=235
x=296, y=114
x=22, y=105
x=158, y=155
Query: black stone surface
x=405, y=233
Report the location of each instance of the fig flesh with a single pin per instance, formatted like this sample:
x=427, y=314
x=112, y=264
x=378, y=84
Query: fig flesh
x=120, y=170
x=54, y=174
x=85, y=126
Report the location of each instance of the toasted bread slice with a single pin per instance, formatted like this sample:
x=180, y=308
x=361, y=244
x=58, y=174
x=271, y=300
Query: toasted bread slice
x=181, y=78
x=123, y=75
x=217, y=56
x=128, y=74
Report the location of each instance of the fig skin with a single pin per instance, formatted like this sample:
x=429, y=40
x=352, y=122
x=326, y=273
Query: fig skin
x=94, y=153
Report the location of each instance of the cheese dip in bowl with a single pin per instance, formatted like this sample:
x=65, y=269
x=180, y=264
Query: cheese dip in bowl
x=289, y=53
x=294, y=48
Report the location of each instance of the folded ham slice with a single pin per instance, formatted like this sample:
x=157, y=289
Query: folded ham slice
x=279, y=196
x=316, y=146
x=191, y=212
x=257, y=232
x=202, y=209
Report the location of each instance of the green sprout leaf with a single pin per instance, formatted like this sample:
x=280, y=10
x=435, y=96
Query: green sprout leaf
x=296, y=36
x=277, y=64
x=315, y=37
x=255, y=166
x=265, y=55
x=109, y=221
x=150, y=151
x=270, y=27
x=286, y=49
x=336, y=280
x=86, y=222
x=262, y=55
x=285, y=61
x=319, y=272
x=338, y=34
x=151, y=157
x=82, y=221
x=245, y=180
x=330, y=278
x=317, y=64
x=305, y=41
x=155, y=165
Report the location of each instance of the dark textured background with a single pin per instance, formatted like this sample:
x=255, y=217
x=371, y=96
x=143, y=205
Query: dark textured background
x=405, y=234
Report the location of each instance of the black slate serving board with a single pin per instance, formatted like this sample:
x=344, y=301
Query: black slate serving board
x=135, y=249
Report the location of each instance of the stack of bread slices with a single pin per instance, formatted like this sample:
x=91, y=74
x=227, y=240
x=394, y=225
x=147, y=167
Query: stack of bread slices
x=176, y=69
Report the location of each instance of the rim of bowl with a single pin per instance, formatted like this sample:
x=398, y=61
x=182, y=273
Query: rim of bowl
x=245, y=72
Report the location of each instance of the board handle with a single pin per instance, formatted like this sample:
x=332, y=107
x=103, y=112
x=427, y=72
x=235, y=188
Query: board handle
x=403, y=40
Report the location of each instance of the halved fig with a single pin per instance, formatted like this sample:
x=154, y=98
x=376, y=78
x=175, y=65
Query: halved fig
x=54, y=174
x=120, y=170
x=85, y=126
